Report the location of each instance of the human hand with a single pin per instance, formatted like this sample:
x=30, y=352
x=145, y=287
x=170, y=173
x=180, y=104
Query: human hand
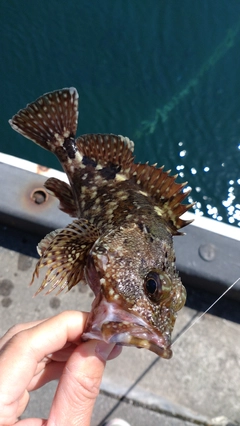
x=35, y=353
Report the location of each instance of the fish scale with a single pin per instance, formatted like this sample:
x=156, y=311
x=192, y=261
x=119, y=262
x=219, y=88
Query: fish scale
x=121, y=240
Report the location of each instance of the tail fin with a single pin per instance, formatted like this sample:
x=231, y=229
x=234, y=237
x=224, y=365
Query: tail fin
x=50, y=120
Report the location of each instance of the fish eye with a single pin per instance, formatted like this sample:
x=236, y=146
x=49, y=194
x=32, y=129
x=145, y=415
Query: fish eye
x=153, y=286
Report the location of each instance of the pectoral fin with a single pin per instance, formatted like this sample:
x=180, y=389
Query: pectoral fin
x=64, y=252
x=64, y=193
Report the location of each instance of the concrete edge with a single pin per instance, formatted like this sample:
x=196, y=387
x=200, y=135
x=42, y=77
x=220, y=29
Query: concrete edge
x=139, y=396
x=201, y=222
x=206, y=259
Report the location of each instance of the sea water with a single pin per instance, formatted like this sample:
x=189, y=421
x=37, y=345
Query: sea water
x=164, y=73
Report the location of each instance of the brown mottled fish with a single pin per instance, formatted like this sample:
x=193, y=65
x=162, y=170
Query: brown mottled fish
x=121, y=242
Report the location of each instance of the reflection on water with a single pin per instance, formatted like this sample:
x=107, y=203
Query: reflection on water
x=148, y=127
x=231, y=204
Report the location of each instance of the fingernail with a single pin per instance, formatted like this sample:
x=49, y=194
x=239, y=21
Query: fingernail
x=103, y=350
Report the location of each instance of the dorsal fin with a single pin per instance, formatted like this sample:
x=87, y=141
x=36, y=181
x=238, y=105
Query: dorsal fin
x=166, y=193
x=106, y=149
x=50, y=119
x=64, y=193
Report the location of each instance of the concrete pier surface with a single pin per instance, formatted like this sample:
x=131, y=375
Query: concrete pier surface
x=199, y=385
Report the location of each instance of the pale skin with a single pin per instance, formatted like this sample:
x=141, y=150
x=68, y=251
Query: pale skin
x=35, y=353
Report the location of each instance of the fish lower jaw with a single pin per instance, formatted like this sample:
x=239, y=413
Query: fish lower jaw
x=127, y=339
x=110, y=323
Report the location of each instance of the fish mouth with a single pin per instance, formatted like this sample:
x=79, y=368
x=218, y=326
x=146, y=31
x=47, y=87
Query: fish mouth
x=112, y=324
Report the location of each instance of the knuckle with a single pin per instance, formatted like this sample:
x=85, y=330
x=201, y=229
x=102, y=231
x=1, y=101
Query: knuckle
x=89, y=386
x=15, y=329
x=10, y=334
x=86, y=386
x=17, y=337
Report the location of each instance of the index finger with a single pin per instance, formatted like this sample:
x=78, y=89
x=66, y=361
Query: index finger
x=25, y=349
x=15, y=329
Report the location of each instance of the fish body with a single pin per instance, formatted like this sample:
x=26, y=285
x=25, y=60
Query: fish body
x=121, y=242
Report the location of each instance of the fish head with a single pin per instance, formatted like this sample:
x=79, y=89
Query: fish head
x=138, y=291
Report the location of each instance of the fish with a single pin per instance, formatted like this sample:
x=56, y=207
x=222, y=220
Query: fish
x=120, y=242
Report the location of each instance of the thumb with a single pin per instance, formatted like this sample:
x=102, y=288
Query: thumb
x=79, y=385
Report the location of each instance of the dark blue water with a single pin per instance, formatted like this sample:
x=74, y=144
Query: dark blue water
x=164, y=73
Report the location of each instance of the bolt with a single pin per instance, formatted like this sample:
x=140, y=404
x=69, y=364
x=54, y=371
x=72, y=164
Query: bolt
x=39, y=196
x=207, y=252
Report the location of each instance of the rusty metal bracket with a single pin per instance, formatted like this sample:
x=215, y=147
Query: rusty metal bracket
x=25, y=203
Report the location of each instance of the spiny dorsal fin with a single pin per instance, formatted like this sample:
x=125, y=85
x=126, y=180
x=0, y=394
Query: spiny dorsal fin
x=64, y=252
x=106, y=149
x=165, y=192
x=64, y=193
x=50, y=119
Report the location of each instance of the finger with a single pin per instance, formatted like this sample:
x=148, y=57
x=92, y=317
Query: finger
x=115, y=352
x=22, y=403
x=60, y=356
x=79, y=385
x=45, y=366
x=32, y=422
x=21, y=354
x=52, y=371
x=16, y=329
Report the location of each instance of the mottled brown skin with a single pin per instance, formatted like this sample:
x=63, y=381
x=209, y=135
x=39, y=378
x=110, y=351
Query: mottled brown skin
x=121, y=244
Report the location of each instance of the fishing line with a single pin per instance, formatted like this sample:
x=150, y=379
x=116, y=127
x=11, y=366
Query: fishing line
x=124, y=397
x=208, y=309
